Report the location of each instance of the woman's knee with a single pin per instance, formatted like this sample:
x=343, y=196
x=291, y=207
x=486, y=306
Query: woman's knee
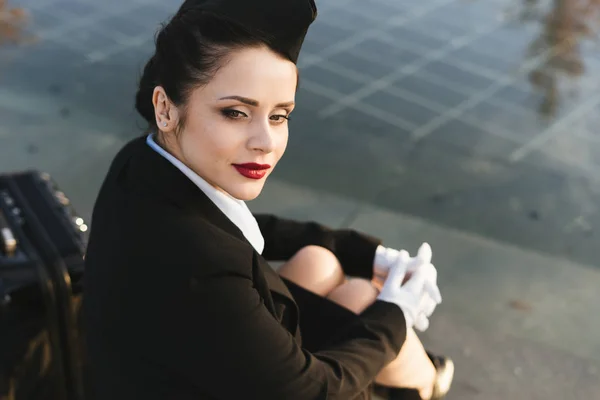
x=356, y=295
x=314, y=268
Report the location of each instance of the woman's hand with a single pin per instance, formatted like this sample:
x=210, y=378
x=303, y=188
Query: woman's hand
x=385, y=257
x=419, y=272
x=415, y=297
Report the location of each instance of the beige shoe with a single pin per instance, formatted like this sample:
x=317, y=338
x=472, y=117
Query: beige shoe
x=445, y=374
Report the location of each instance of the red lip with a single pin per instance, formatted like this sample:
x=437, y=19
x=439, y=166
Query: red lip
x=253, y=166
x=252, y=170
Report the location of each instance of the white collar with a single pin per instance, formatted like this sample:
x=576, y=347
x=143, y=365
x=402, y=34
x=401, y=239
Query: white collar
x=236, y=210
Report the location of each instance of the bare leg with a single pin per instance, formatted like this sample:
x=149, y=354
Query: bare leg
x=318, y=270
x=412, y=368
x=314, y=268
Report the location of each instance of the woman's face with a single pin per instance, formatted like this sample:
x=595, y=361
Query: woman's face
x=236, y=126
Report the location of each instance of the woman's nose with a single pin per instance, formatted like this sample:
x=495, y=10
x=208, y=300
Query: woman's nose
x=262, y=139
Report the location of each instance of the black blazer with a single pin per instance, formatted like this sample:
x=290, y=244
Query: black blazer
x=178, y=304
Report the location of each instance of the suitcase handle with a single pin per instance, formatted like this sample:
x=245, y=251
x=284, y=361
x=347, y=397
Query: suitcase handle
x=8, y=241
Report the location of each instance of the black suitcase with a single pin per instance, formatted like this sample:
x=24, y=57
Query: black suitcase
x=42, y=245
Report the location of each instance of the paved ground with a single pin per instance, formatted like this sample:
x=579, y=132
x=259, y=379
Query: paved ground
x=519, y=324
x=466, y=123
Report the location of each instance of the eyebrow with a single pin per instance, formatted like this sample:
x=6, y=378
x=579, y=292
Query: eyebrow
x=255, y=103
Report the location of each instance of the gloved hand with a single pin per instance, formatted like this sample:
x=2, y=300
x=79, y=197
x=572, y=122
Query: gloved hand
x=417, y=297
x=386, y=257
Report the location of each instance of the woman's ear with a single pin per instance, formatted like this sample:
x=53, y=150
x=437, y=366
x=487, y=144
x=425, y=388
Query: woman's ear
x=165, y=112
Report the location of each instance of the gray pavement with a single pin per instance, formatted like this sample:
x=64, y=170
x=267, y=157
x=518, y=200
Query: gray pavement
x=519, y=324
x=468, y=124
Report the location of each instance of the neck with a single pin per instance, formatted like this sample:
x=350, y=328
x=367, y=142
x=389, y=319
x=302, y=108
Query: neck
x=174, y=150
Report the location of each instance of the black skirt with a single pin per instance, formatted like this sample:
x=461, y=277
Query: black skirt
x=321, y=320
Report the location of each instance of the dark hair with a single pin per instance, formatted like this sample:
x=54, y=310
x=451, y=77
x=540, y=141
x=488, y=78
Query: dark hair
x=190, y=48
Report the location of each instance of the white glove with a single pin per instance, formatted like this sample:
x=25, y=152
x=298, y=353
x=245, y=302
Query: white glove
x=416, y=297
x=432, y=296
x=386, y=257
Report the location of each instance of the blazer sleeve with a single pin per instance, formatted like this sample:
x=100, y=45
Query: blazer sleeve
x=233, y=347
x=284, y=237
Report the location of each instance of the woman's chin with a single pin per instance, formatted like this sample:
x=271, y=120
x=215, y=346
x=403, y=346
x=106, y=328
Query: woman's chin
x=247, y=191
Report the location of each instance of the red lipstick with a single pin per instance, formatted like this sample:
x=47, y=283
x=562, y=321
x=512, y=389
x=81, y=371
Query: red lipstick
x=252, y=170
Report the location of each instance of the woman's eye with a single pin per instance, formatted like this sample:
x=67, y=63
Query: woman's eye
x=233, y=114
x=280, y=118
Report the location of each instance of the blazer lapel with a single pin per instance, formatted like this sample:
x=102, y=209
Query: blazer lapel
x=273, y=279
x=151, y=170
x=286, y=309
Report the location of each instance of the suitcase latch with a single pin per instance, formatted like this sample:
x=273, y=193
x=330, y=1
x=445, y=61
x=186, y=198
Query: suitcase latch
x=8, y=241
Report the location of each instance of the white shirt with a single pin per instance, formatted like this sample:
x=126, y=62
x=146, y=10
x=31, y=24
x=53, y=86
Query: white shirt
x=236, y=210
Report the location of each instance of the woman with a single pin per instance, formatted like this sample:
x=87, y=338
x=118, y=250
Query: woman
x=180, y=302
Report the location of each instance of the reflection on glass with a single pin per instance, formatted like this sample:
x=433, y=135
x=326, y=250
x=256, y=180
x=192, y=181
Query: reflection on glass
x=565, y=24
